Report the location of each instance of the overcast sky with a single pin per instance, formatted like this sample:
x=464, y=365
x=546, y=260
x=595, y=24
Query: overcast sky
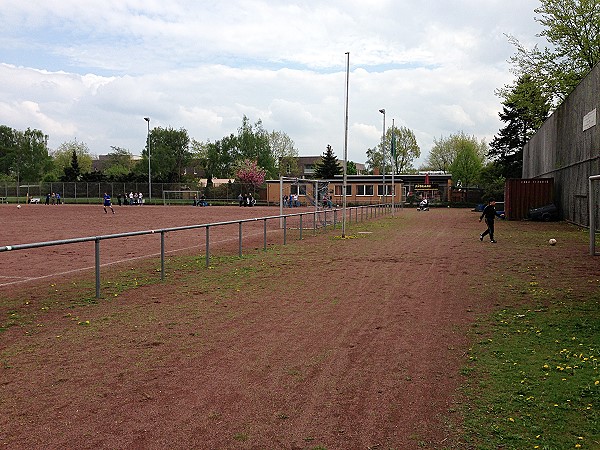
x=92, y=70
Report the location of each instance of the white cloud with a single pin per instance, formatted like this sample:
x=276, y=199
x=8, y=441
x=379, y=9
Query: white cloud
x=93, y=70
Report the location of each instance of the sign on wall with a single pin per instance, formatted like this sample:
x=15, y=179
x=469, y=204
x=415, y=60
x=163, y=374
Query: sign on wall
x=589, y=120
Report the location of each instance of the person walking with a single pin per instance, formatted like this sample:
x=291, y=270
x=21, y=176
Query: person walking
x=107, y=203
x=489, y=213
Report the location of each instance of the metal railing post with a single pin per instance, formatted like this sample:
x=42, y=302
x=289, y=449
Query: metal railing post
x=240, y=239
x=207, y=246
x=265, y=235
x=162, y=256
x=301, y=215
x=284, y=230
x=97, y=259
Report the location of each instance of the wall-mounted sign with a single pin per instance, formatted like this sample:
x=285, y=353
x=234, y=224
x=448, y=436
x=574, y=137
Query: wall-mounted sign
x=589, y=120
x=426, y=187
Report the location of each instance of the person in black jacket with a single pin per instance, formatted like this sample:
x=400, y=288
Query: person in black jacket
x=489, y=212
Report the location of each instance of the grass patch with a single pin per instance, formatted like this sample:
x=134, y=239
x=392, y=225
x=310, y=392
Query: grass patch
x=533, y=377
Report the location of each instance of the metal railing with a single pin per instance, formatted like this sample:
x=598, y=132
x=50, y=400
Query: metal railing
x=320, y=220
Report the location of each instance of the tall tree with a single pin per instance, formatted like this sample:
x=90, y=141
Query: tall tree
x=467, y=164
x=72, y=172
x=404, y=148
x=524, y=111
x=64, y=155
x=253, y=143
x=328, y=167
x=441, y=155
x=572, y=29
x=118, y=164
x=374, y=160
x=284, y=152
x=169, y=154
x=23, y=154
x=8, y=142
x=351, y=168
x=217, y=158
x=445, y=150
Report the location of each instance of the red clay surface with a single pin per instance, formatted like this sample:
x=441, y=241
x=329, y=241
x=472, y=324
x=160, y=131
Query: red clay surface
x=326, y=343
x=40, y=223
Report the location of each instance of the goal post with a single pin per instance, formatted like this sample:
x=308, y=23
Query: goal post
x=593, y=208
x=180, y=197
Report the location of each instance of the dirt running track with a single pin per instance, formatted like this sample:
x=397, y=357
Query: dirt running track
x=326, y=343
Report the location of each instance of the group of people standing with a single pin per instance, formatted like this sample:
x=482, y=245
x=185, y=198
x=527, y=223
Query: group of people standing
x=291, y=201
x=53, y=199
x=246, y=200
x=133, y=198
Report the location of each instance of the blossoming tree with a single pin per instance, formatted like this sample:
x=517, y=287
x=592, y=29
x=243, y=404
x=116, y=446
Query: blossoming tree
x=249, y=172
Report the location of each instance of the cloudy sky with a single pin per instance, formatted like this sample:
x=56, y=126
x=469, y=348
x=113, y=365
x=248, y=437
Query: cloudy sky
x=92, y=70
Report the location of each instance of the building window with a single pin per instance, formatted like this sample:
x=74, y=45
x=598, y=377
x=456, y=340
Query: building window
x=298, y=189
x=339, y=191
x=309, y=169
x=364, y=189
x=388, y=189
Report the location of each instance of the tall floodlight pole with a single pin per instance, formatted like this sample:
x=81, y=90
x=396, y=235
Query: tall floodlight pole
x=147, y=119
x=393, y=152
x=345, y=147
x=382, y=111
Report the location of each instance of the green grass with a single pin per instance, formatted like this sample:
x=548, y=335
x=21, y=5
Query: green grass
x=533, y=378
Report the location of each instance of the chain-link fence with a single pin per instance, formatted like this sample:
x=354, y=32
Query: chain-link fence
x=88, y=192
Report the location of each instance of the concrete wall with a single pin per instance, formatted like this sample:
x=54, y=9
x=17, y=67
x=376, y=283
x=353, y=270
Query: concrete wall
x=562, y=149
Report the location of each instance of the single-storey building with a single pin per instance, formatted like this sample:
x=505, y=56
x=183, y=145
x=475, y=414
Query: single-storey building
x=361, y=189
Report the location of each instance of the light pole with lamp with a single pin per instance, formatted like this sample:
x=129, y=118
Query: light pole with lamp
x=345, y=182
x=147, y=119
x=382, y=111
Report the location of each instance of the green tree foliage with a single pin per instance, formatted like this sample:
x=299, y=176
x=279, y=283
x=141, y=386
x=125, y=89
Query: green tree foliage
x=23, y=154
x=284, y=152
x=218, y=158
x=524, y=111
x=169, y=154
x=468, y=162
x=63, y=157
x=351, y=168
x=118, y=164
x=441, y=155
x=72, y=172
x=572, y=29
x=253, y=143
x=404, y=148
x=492, y=181
x=374, y=160
x=8, y=142
x=445, y=150
x=328, y=167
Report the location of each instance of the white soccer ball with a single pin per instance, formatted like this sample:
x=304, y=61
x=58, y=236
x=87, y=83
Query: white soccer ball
x=19, y=206
x=552, y=241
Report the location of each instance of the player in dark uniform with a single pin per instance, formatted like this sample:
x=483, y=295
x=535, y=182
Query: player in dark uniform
x=108, y=203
